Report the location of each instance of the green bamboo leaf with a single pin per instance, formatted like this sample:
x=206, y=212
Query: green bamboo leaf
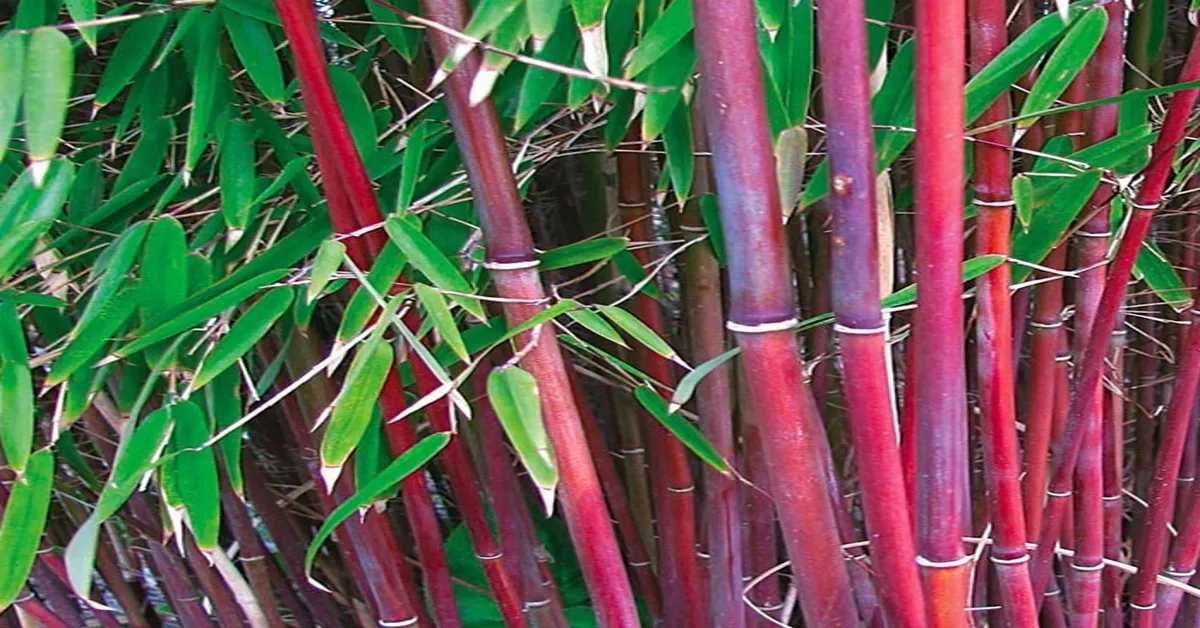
x=771, y=13
x=138, y=453
x=243, y=335
x=410, y=171
x=1050, y=223
x=687, y=385
x=12, y=77
x=353, y=407
x=514, y=396
x=182, y=28
x=681, y=154
x=1068, y=59
x=372, y=454
x=264, y=11
x=632, y=269
x=404, y=465
x=292, y=169
x=356, y=109
x=362, y=305
x=543, y=17
x=1153, y=267
x=16, y=390
x=443, y=321
x=710, y=213
x=636, y=329
x=24, y=519
x=328, y=260
x=424, y=255
x=84, y=11
x=539, y=82
x=791, y=151
x=486, y=17
x=683, y=429
x=164, y=266
x=256, y=49
x=113, y=269
x=582, y=252
x=224, y=402
x=510, y=36
x=49, y=68
x=86, y=341
x=205, y=79
x=171, y=322
x=596, y=324
x=671, y=72
x=27, y=212
x=589, y=15
x=237, y=176
x=148, y=155
x=668, y=30
x=131, y=54
x=194, y=472
x=1022, y=192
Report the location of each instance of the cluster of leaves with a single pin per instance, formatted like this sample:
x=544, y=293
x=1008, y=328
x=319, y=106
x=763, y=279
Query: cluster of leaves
x=162, y=216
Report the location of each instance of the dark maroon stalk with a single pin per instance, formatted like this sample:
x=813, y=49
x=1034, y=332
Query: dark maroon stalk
x=1148, y=198
x=251, y=553
x=670, y=477
x=1114, y=497
x=1181, y=566
x=1047, y=328
x=937, y=336
x=512, y=261
x=618, y=503
x=760, y=543
x=860, y=327
x=994, y=334
x=762, y=311
x=705, y=317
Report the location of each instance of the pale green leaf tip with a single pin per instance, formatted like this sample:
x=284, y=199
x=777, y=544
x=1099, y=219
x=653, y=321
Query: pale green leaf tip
x=481, y=87
x=547, y=494
x=37, y=169
x=329, y=476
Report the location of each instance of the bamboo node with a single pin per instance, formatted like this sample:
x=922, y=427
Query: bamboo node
x=1143, y=607
x=1024, y=558
x=533, y=263
x=635, y=451
x=1058, y=494
x=1097, y=567
x=682, y=489
x=859, y=331
x=943, y=564
x=626, y=204
x=1008, y=203
x=495, y=556
x=1054, y=325
x=1090, y=234
x=1066, y=357
x=642, y=563
x=1179, y=574
x=537, y=603
x=694, y=228
x=411, y=621
x=762, y=328
x=1113, y=498
x=1154, y=205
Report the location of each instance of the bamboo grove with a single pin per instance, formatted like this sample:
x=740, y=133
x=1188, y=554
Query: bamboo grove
x=568, y=313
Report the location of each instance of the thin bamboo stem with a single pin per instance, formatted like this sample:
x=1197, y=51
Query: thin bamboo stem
x=511, y=256
x=762, y=305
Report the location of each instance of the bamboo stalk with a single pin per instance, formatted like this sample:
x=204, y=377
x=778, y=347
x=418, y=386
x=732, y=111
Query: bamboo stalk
x=860, y=326
x=938, y=340
x=670, y=476
x=1180, y=566
x=759, y=538
x=1148, y=198
x=994, y=333
x=705, y=325
x=1047, y=325
x=512, y=261
x=762, y=305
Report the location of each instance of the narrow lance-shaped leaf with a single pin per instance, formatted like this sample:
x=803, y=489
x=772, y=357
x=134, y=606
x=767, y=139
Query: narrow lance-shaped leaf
x=237, y=176
x=424, y=255
x=256, y=49
x=224, y=402
x=352, y=409
x=687, y=385
x=243, y=335
x=16, y=390
x=139, y=451
x=86, y=343
x=683, y=429
x=510, y=36
x=1065, y=63
x=639, y=331
x=24, y=519
x=195, y=474
x=329, y=258
x=582, y=252
x=589, y=15
x=443, y=321
x=49, y=68
x=83, y=11
x=513, y=393
x=543, y=16
x=1022, y=192
x=12, y=77
x=164, y=266
x=206, y=36
x=669, y=29
x=408, y=462
x=362, y=305
x=1153, y=268
x=133, y=50
x=486, y=17
x=596, y=324
x=410, y=170
x=165, y=326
